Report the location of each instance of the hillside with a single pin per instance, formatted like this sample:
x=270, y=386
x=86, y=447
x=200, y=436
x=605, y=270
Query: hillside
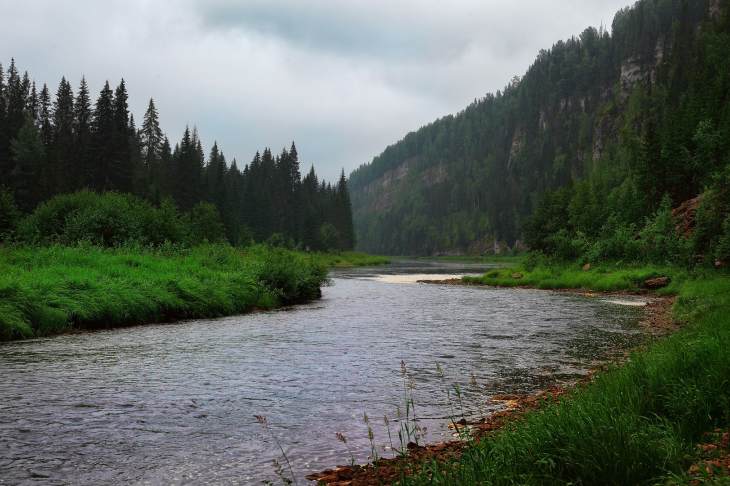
x=635, y=114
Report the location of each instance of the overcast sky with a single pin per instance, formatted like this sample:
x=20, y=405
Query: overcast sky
x=344, y=78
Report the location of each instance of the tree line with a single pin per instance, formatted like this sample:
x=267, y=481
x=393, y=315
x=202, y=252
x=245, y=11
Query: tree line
x=51, y=145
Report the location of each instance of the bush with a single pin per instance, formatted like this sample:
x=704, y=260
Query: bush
x=290, y=275
x=205, y=225
x=113, y=220
x=660, y=241
x=722, y=250
x=618, y=242
x=564, y=245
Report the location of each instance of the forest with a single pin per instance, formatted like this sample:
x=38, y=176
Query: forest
x=595, y=152
x=90, y=167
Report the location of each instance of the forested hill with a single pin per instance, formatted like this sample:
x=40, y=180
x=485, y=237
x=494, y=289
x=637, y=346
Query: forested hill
x=635, y=114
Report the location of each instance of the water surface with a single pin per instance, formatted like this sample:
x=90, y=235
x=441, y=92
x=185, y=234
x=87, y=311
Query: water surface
x=175, y=404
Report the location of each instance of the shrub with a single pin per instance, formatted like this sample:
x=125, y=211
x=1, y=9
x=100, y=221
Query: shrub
x=722, y=250
x=205, y=225
x=660, y=241
x=113, y=219
x=618, y=242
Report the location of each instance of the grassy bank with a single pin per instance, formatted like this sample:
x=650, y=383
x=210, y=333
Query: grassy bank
x=346, y=259
x=48, y=290
x=502, y=259
x=635, y=424
x=605, y=277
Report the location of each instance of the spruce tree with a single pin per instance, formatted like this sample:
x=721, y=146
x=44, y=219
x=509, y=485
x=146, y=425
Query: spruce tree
x=163, y=177
x=102, y=139
x=44, y=118
x=64, y=170
x=121, y=170
x=4, y=140
x=32, y=108
x=187, y=171
x=28, y=154
x=151, y=137
x=15, y=103
x=83, y=136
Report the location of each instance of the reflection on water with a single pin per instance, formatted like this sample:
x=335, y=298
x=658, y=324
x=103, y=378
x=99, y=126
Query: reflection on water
x=175, y=404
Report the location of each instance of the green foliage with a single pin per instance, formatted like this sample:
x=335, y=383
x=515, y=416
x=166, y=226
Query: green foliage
x=549, y=273
x=329, y=237
x=722, y=250
x=46, y=290
x=113, y=219
x=9, y=214
x=205, y=225
x=346, y=259
x=660, y=241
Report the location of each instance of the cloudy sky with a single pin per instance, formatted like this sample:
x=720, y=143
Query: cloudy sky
x=344, y=78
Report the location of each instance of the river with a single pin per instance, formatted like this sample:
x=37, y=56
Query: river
x=175, y=403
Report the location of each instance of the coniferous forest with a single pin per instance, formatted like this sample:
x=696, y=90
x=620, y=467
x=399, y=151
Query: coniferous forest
x=586, y=155
x=65, y=142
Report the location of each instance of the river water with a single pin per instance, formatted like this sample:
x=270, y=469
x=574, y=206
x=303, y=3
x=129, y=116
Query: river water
x=175, y=403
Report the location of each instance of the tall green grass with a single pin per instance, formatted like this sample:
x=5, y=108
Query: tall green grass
x=48, y=290
x=346, y=259
x=636, y=423
x=604, y=277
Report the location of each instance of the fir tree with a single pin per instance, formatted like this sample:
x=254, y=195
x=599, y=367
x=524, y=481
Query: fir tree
x=28, y=154
x=151, y=137
x=64, y=170
x=83, y=136
x=102, y=139
x=120, y=164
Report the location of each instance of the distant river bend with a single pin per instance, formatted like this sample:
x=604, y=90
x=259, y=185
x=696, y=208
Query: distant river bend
x=175, y=404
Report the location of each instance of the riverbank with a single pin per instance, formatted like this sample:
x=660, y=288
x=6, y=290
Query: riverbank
x=634, y=423
x=349, y=259
x=56, y=289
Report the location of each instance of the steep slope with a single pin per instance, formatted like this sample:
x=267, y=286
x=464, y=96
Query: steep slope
x=468, y=180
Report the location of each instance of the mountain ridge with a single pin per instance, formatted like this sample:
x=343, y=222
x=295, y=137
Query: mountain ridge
x=469, y=182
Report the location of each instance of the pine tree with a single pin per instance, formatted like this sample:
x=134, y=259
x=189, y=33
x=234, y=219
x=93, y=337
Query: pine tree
x=187, y=171
x=151, y=137
x=139, y=173
x=344, y=214
x=64, y=170
x=102, y=131
x=28, y=154
x=215, y=173
x=121, y=170
x=32, y=107
x=44, y=118
x=15, y=103
x=4, y=140
x=163, y=177
x=83, y=136
x=311, y=210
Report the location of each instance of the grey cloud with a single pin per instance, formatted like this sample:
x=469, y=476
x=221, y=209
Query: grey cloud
x=342, y=78
x=347, y=28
